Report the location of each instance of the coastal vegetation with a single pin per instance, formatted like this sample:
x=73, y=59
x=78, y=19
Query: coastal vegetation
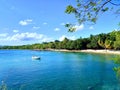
x=88, y=11
x=101, y=41
x=74, y=71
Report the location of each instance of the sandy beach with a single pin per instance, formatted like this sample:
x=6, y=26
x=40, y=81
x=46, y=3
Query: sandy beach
x=88, y=51
x=101, y=51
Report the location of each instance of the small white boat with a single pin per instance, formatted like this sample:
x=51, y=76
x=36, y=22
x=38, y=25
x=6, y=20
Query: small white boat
x=35, y=57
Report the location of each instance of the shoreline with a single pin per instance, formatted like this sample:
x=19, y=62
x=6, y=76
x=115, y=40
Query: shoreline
x=117, y=52
x=97, y=51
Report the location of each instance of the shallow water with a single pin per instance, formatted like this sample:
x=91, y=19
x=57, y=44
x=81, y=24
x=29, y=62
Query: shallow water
x=57, y=71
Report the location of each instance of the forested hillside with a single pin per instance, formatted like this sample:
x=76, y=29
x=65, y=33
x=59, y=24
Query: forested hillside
x=101, y=41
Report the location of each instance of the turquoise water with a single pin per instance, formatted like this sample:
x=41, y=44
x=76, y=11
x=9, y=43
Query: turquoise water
x=57, y=71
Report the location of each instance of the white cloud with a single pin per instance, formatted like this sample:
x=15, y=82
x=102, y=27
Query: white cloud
x=72, y=37
x=79, y=27
x=62, y=38
x=69, y=37
x=62, y=24
x=47, y=39
x=91, y=27
x=45, y=23
x=25, y=22
x=57, y=29
x=34, y=27
x=15, y=31
x=26, y=37
x=3, y=34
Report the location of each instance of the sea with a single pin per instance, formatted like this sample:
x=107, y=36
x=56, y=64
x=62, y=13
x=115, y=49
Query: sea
x=57, y=71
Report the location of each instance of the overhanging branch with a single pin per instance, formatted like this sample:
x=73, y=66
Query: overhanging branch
x=115, y=4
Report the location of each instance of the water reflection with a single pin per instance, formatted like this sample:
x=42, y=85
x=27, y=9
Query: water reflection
x=116, y=60
x=3, y=86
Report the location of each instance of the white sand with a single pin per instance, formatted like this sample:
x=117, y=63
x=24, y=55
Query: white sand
x=101, y=51
x=89, y=51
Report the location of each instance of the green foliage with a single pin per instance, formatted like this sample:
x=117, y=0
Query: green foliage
x=117, y=44
x=117, y=71
x=92, y=3
x=106, y=40
x=105, y=9
x=88, y=10
x=70, y=27
x=93, y=42
x=116, y=60
x=94, y=20
x=70, y=9
x=117, y=41
x=100, y=41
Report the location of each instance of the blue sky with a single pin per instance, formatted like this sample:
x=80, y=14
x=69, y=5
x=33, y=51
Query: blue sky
x=36, y=21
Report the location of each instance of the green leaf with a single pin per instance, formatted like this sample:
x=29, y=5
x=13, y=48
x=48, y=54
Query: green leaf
x=105, y=9
x=92, y=4
x=72, y=29
x=86, y=7
x=78, y=4
x=94, y=20
x=70, y=9
x=67, y=25
x=95, y=9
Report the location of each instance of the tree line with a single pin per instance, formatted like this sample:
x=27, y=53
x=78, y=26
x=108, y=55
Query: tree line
x=101, y=41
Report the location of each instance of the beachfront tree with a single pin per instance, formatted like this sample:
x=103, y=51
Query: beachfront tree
x=57, y=44
x=101, y=40
x=108, y=44
x=106, y=41
x=117, y=42
x=93, y=42
x=87, y=11
x=64, y=43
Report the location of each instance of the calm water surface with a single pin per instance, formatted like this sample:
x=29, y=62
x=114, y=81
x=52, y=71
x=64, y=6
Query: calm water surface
x=57, y=71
